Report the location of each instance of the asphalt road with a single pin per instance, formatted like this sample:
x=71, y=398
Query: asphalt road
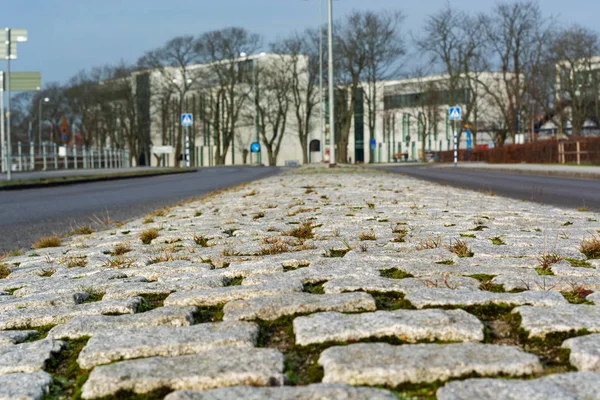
x=559, y=191
x=26, y=215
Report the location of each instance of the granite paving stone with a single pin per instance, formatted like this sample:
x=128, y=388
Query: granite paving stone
x=540, y=321
x=385, y=364
x=407, y=325
x=25, y=386
x=219, y=367
x=28, y=357
x=568, y=386
x=168, y=341
x=14, y=337
x=447, y=297
x=88, y=326
x=585, y=352
x=273, y=307
x=323, y=391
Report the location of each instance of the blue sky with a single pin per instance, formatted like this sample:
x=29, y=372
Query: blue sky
x=66, y=36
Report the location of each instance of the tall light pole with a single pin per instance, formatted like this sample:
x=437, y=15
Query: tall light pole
x=40, y=118
x=182, y=93
x=331, y=98
x=256, y=104
x=321, y=120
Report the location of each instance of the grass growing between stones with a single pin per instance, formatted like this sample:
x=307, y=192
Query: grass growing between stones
x=236, y=281
x=42, y=333
x=460, y=248
x=395, y=273
x=68, y=378
x=148, y=235
x=152, y=301
x=590, y=247
x=332, y=253
x=301, y=365
x=209, y=314
x=314, y=288
x=579, y=263
x=48, y=241
x=389, y=301
x=486, y=283
x=4, y=271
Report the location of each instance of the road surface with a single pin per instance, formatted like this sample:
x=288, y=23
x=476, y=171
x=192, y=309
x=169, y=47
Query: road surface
x=558, y=191
x=26, y=215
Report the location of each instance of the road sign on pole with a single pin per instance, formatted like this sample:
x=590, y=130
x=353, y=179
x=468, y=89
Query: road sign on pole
x=455, y=113
x=187, y=119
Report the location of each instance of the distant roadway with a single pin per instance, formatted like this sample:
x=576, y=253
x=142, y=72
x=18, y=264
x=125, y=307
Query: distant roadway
x=559, y=191
x=26, y=215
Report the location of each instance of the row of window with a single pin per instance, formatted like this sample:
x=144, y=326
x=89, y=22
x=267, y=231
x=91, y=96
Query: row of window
x=432, y=98
x=389, y=128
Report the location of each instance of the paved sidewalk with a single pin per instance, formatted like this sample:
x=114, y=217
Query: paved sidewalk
x=59, y=173
x=315, y=284
x=581, y=171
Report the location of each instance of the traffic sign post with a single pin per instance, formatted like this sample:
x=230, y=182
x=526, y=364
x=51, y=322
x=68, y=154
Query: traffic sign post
x=187, y=120
x=455, y=115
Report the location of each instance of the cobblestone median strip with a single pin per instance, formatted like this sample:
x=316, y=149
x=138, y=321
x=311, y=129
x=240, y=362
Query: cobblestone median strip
x=215, y=368
x=256, y=284
x=310, y=392
x=556, y=387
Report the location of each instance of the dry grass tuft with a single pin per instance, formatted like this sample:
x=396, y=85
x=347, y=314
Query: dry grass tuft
x=73, y=261
x=48, y=241
x=460, y=248
x=547, y=259
x=201, y=240
x=303, y=231
x=82, y=230
x=367, y=236
x=4, y=271
x=590, y=247
x=148, y=235
x=430, y=243
x=121, y=249
x=120, y=262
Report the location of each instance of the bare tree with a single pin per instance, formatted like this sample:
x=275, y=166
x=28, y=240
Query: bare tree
x=231, y=80
x=574, y=53
x=301, y=53
x=453, y=41
x=174, y=63
x=273, y=105
x=516, y=35
x=384, y=48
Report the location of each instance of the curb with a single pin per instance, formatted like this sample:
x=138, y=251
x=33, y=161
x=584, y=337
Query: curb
x=83, y=179
x=566, y=174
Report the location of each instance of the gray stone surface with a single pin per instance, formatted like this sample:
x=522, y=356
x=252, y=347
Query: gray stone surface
x=540, y=321
x=28, y=357
x=79, y=327
x=215, y=368
x=449, y=297
x=212, y=297
x=168, y=341
x=43, y=300
x=23, y=386
x=273, y=307
x=569, y=386
x=384, y=364
x=585, y=352
x=36, y=317
x=310, y=392
x=407, y=325
x=381, y=284
x=14, y=337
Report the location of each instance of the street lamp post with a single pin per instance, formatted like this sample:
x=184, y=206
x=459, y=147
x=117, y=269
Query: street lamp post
x=331, y=98
x=255, y=89
x=42, y=100
x=187, y=128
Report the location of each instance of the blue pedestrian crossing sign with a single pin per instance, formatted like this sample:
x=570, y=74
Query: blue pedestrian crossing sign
x=187, y=119
x=255, y=147
x=454, y=113
x=373, y=143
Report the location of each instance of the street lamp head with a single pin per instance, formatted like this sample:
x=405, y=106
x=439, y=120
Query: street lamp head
x=262, y=54
x=46, y=99
x=243, y=54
